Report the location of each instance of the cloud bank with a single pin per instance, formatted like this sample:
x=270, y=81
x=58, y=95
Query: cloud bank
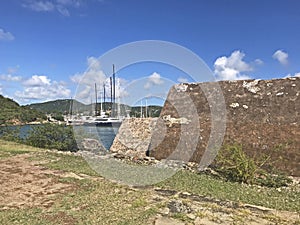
x=153, y=79
x=6, y=36
x=281, y=56
x=43, y=89
x=232, y=67
x=61, y=6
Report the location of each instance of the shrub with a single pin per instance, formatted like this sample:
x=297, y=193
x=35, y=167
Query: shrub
x=235, y=165
x=10, y=133
x=54, y=136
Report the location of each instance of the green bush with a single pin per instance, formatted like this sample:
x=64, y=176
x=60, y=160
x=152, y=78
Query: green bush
x=272, y=179
x=233, y=164
x=58, y=117
x=52, y=136
x=9, y=133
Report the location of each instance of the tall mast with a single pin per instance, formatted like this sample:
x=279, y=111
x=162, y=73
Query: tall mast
x=96, y=99
x=111, y=94
x=119, y=102
x=101, y=104
x=71, y=107
x=141, y=108
x=146, y=110
x=114, y=83
x=104, y=96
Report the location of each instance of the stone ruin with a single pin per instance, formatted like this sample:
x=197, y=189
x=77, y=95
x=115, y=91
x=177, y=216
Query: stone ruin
x=261, y=115
x=134, y=137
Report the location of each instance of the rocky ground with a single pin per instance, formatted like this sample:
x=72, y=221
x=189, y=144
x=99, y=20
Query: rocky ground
x=26, y=184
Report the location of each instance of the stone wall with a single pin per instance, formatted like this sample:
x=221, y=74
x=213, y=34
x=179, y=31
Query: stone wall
x=133, y=137
x=262, y=115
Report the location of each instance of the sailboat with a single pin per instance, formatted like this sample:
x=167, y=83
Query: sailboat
x=103, y=119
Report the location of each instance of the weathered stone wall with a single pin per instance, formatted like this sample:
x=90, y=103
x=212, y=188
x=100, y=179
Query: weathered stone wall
x=261, y=115
x=133, y=137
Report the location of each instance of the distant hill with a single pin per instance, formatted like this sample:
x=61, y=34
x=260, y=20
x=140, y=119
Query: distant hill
x=65, y=106
x=12, y=113
x=152, y=111
x=60, y=106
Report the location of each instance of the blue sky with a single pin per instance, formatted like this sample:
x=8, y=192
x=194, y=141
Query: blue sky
x=47, y=45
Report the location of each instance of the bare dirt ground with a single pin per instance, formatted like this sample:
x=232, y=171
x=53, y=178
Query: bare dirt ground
x=25, y=184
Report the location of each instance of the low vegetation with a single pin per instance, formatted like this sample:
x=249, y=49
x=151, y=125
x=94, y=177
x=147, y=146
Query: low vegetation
x=95, y=200
x=12, y=113
x=52, y=136
x=233, y=164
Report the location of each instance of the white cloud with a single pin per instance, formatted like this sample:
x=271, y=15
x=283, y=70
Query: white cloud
x=295, y=75
x=86, y=81
x=61, y=6
x=1, y=89
x=40, y=6
x=153, y=79
x=74, y=3
x=42, y=88
x=182, y=80
x=281, y=56
x=258, y=62
x=6, y=36
x=37, y=81
x=62, y=10
x=232, y=67
x=9, y=77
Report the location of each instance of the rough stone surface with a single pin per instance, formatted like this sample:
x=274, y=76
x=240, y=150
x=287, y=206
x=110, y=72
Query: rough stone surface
x=167, y=221
x=199, y=210
x=262, y=115
x=93, y=145
x=133, y=137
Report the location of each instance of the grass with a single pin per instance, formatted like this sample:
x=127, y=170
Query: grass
x=8, y=149
x=67, y=163
x=103, y=203
x=100, y=201
x=281, y=199
x=88, y=202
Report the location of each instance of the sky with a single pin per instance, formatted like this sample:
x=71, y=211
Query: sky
x=48, y=47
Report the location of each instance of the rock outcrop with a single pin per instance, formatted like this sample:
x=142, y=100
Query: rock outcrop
x=262, y=115
x=133, y=137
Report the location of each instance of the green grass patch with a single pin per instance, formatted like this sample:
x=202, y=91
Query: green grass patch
x=67, y=163
x=8, y=149
x=33, y=216
x=281, y=199
x=104, y=202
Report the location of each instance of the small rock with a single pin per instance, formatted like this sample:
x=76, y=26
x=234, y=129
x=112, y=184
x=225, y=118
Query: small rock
x=165, y=211
x=176, y=206
x=167, y=221
x=191, y=216
x=204, y=221
x=234, y=105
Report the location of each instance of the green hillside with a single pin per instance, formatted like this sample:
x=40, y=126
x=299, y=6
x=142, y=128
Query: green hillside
x=12, y=113
x=65, y=106
x=61, y=106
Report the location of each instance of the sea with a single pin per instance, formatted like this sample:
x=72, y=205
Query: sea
x=105, y=135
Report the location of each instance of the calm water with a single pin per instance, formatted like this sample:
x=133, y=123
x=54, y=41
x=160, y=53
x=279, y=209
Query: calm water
x=105, y=135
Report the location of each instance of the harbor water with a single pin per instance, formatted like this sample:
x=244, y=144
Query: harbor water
x=105, y=135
